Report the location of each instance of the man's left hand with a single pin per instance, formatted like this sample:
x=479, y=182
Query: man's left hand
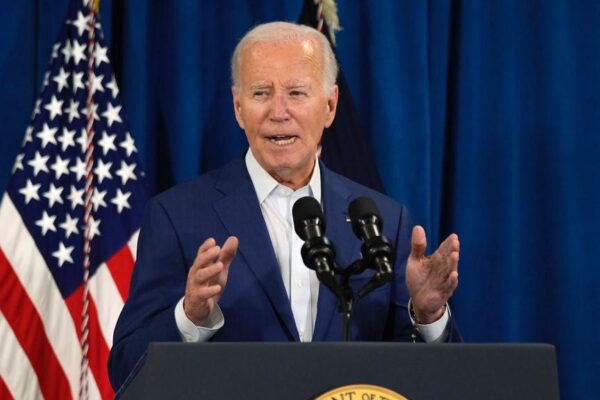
x=431, y=280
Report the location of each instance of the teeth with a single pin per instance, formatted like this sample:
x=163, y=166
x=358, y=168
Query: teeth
x=282, y=141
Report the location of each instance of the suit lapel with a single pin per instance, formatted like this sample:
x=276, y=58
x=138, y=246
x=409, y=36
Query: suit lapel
x=336, y=197
x=240, y=213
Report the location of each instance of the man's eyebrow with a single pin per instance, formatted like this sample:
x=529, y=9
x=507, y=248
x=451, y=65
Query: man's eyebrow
x=297, y=85
x=260, y=85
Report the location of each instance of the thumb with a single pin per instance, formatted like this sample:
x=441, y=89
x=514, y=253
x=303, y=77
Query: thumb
x=418, y=242
x=229, y=250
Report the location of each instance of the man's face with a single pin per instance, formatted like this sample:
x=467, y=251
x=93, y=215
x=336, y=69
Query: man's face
x=283, y=107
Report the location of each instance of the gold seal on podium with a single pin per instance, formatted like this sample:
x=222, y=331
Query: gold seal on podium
x=361, y=392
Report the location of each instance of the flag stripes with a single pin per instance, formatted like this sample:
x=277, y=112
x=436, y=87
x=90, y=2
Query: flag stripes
x=98, y=353
x=103, y=290
x=120, y=266
x=23, y=317
x=16, y=373
x=4, y=393
x=38, y=356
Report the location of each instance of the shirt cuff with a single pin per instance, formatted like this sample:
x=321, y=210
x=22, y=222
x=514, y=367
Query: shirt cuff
x=436, y=331
x=192, y=333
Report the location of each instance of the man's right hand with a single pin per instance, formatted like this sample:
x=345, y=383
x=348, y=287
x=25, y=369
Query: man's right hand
x=207, y=278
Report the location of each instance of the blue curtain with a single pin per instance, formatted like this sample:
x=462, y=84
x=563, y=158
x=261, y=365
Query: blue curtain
x=482, y=116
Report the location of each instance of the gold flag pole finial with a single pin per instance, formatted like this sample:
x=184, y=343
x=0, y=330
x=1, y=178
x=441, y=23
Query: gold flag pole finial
x=328, y=11
x=96, y=6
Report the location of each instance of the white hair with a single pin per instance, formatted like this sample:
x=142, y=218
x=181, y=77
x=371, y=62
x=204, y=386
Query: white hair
x=286, y=32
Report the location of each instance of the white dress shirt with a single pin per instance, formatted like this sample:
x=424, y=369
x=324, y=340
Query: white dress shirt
x=301, y=283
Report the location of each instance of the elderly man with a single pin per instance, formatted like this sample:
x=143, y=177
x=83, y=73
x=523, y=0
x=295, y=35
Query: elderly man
x=218, y=258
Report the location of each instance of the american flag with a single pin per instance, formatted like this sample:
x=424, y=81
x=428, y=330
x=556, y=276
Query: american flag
x=48, y=333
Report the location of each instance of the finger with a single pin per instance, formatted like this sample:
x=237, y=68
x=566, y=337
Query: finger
x=418, y=242
x=203, y=276
x=208, y=243
x=451, y=284
x=206, y=257
x=443, y=265
x=229, y=250
x=450, y=244
x=206, y=292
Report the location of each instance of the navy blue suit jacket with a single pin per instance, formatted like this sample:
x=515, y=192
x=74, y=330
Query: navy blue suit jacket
x=255, y=304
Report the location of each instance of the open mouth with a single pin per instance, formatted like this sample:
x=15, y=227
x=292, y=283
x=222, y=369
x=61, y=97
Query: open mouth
x=282, y=140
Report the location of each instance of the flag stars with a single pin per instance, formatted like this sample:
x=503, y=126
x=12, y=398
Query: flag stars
x=121, y=200
x=70, y=226
x=60, y=167
x=100, y=55
x=55, y=50
x=98, y=199
x=61, y=79
x=67, y=51
x=66, y=139
x=82, y=140
x=77, y=81
x=56, y=201
x=75, y=197
x=18, y=163
x=81, y=23
x=96, y=83
x=30, y=191
x=126, y=172
x=102, y=170
x=73, y=110
x=47, y=135
x=54, y=195
x=79, y=168
x=38, y=163
x=46, y=223
x=28, y=133
x=112, y=114
x=36, y=107
x=63, y=254
x=54, y=107
x=94, y=111
x=128, y=145
x=78, y=51
x=112, y=85
x=93, y=228
x=107, y=142
x=46, y=79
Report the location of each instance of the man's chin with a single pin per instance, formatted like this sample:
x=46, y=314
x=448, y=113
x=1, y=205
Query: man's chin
x=293, y=175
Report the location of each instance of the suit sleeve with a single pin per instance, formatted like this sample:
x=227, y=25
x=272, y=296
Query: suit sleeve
x=158, y=282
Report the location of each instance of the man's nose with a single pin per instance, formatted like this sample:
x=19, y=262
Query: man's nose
x=279, y=108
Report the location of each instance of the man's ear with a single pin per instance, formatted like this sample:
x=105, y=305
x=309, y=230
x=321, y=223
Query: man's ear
x=331, y=106
x=237, y=106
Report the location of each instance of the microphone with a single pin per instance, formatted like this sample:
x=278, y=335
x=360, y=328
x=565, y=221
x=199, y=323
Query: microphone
x=317, y=251
x=377, y=250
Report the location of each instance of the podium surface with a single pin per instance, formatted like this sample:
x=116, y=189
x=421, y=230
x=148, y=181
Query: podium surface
x=306, y=370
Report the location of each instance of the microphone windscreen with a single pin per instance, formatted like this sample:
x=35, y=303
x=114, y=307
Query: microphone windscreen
x=304, y=209
x=362, y=207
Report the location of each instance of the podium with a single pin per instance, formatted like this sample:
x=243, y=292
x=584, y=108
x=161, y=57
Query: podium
x=306, y=370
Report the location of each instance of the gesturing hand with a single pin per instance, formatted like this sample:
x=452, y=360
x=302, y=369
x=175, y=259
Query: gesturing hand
x=431, y=280
x=207, y=278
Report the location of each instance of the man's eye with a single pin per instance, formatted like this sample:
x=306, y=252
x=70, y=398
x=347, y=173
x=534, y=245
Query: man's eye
x=259, y=94
x=297, y=93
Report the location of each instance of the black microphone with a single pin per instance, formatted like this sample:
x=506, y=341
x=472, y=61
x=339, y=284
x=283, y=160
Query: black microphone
x=377, y=250
x=317, y=251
